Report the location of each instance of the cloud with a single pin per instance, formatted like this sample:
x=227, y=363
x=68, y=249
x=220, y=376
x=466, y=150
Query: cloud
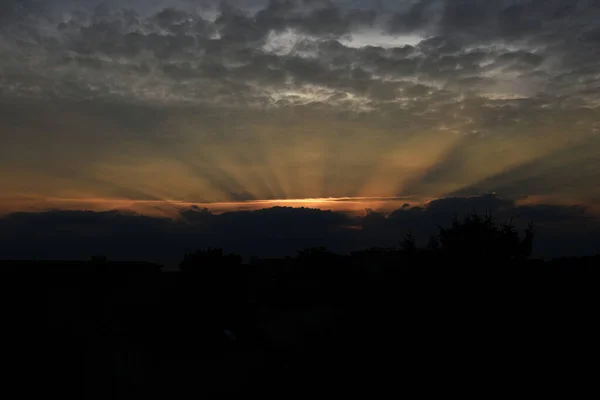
x=183, y=55
x=276, y=231
x=205, y=101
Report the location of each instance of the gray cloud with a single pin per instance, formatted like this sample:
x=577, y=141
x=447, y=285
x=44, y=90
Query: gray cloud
x=318, y=50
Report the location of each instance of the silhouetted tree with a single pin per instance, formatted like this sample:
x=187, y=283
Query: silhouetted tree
x=408, y=244
x=433, y=244
x=526, y=246
x=480, y=239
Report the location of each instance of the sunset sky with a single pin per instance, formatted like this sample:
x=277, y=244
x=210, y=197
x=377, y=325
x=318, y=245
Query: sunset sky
x=159, y=105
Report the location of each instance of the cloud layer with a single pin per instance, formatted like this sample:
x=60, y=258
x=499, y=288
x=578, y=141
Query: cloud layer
x=277, y=231
x=285, y=53
x=205, y=101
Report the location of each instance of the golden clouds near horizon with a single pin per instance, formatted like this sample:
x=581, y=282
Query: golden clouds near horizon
x=172, y=208
x=212, y=155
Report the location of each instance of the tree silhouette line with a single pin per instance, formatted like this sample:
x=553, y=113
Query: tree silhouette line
x=473, y=239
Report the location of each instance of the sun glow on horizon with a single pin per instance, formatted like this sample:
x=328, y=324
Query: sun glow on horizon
x=172, y=208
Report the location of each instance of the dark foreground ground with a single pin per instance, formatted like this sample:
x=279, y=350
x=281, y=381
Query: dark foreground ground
x=104, y=335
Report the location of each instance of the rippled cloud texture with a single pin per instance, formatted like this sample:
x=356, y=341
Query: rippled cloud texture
x=191, y=101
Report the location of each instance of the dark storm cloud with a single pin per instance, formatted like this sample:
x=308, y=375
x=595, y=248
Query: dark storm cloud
x=468, y=48
x=319, y=18
x=478, y=20
x=272, y=232
x=557, y=32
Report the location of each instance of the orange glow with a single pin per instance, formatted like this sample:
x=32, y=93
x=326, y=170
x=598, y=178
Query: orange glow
x=171, y=208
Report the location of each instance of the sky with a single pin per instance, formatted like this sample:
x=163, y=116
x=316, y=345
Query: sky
x=165, y=106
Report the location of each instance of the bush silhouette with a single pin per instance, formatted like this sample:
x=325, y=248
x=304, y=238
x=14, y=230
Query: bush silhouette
x=408, y=245
x=480, y=239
